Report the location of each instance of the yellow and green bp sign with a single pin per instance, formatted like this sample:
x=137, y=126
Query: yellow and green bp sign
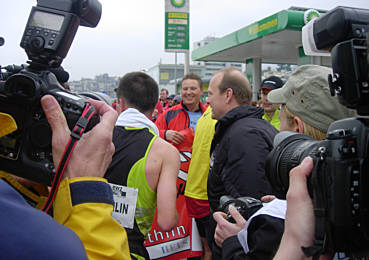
x=177, y=24
x=178, y=3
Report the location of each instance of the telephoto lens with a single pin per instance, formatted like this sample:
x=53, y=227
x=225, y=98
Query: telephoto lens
x=290, y=148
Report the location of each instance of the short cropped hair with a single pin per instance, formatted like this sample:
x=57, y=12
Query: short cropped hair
x=239, y=84
x=138, y=90
x=193, y=76
x=164, y=89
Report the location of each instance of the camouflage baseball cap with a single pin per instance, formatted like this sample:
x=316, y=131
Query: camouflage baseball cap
x=307, y=95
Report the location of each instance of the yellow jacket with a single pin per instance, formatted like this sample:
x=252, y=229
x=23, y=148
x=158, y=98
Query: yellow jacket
x=196, y=185
x=273, y=121
x=102, y=236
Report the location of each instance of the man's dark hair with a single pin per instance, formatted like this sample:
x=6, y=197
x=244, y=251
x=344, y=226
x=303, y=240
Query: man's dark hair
x=164, y=89
x=238, y=83
x=139, y=91
x=193, y=76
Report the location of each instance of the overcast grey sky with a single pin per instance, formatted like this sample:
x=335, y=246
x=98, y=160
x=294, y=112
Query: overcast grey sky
x=130, y=35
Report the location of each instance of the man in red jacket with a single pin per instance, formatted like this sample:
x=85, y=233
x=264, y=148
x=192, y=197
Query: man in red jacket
x=184, y=115
x=177, y=125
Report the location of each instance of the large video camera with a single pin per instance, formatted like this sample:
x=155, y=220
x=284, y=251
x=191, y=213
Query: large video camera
x=339, y=182
x=48, y=35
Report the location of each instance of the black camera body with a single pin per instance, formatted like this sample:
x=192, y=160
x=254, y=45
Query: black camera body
x=27, y=151
x=246, y=206
x=343, y=32
x=49, y=33
x=339, y=182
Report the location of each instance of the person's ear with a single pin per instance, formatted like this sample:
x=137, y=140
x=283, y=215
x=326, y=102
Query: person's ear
x=122, y=105
x=299, y=125
x=229, y=95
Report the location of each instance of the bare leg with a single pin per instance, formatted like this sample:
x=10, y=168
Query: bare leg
x=207, y=251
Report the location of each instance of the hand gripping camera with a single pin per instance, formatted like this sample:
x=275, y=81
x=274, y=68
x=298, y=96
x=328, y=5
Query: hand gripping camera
x=339, y=182
x=47, y=38
x=246, y=206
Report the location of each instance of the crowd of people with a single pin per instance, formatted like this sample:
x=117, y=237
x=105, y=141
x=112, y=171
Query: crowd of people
x=136, y=146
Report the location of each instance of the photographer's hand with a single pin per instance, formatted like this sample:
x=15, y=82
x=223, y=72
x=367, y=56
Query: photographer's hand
x=227, y=229
x=93, y=152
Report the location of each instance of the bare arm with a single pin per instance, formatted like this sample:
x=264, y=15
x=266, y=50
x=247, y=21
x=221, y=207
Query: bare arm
x=167, y=188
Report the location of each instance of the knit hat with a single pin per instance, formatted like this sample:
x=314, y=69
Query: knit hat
x=272, y=83
x=307, y=95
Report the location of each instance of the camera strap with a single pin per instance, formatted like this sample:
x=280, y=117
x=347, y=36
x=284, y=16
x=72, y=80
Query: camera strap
x=320, y=212
x=75, y=135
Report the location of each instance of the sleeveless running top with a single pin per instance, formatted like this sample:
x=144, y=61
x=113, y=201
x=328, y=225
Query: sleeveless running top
x=127, y=168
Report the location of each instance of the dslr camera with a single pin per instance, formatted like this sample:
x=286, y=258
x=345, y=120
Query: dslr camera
x=48, y=35
x=246, y=206
x=339, y=182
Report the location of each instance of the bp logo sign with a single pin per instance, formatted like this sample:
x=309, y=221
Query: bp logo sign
x=310, y=15
x=178, y=3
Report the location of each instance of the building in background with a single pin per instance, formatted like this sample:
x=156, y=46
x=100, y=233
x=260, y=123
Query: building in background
x=166, y=74
x=101, y=83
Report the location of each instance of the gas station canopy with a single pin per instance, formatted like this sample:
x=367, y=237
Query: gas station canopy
x=275, y=39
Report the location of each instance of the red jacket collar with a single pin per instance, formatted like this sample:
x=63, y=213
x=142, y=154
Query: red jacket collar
x=201, y=109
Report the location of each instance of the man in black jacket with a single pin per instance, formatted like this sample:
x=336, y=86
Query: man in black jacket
x=241, y=143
